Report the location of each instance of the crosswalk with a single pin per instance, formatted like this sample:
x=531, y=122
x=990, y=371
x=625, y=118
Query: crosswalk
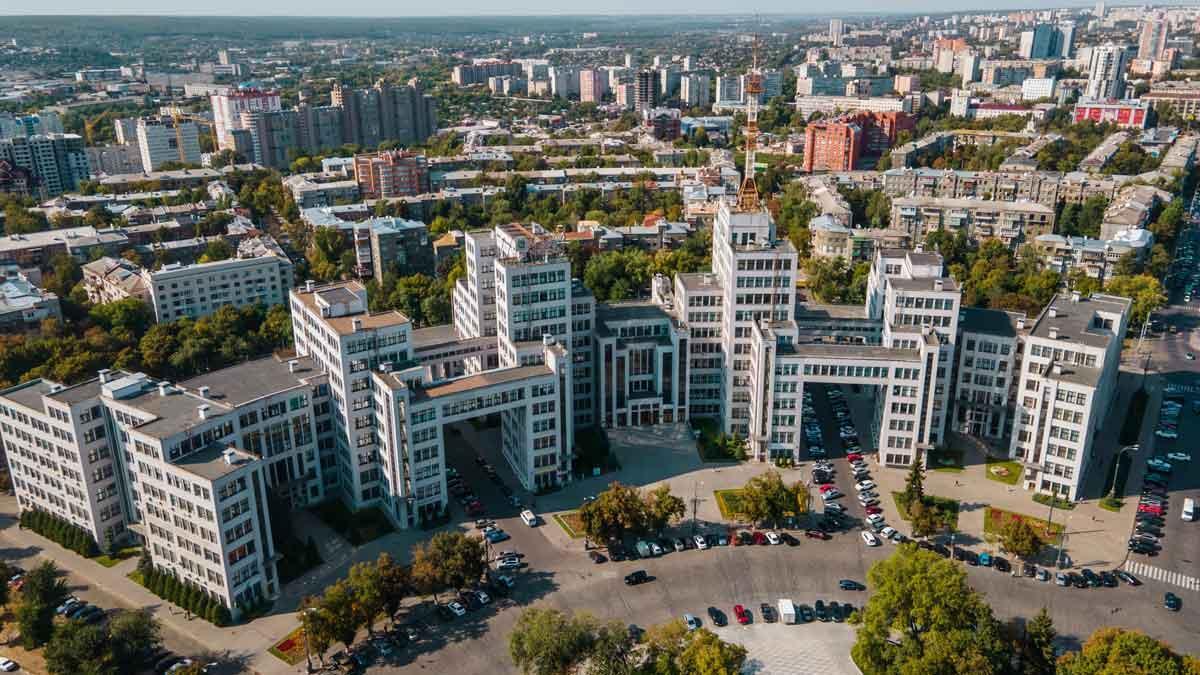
x=1144, y=571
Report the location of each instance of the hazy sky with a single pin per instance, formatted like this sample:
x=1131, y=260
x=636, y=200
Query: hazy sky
x=401, y=8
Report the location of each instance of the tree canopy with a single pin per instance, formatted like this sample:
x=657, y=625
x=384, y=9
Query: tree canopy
x=1131, y=652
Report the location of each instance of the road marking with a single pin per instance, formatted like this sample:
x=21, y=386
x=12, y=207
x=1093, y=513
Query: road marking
x=1171, y=577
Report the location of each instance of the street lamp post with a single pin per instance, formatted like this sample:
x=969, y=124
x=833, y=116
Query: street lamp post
x=1112, y=492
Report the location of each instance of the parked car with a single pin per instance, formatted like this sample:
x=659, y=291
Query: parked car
x=864, y=485
x=887, y=532
x=805, y=614
x=851, y=585
x=691, y=622
x=508, y=564
x=767, y=612
x=636, y=577
x=869, y=539
x=739, y=612
x=717, y=616
x=816, y=534
x=8, y=665
x=1172, y=602
x=1128, y=578
x=1042, y=575
x=774, y=539
x=821, y=611
x=875, y=518
x=759, y=539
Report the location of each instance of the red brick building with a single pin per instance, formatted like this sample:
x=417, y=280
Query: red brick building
x=845, y=143
x=390, y=174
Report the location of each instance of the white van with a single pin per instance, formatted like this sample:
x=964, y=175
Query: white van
x=1189, y=509
x=529, y=518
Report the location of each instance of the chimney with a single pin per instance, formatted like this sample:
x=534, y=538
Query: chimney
x=1053, y=312
x=308, y=285
x=547, y=340
x=356, y=323
x=203, y=410
x=104, y=373
x=293, y=365
x=203, y=391
x=1075, y=296
x=1021, y=323
x=937, y=284
x=1058, y=369
x=163, y=388
x=229, y=456
x=1053, y=333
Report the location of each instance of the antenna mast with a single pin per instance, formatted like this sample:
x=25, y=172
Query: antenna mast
x=748, y=192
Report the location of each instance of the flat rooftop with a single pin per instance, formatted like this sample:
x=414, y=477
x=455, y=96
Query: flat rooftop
x=29, y=394
x=855, y=351
x=989, y=321
x=1072, y=320
x=434, y=336
x=252, y=380
x=631, y=311
x=210, y=463
x=483, y=380
x=811, y=312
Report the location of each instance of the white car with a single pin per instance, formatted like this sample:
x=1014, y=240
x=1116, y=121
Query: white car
x=875, y=518
x=701, y=542
x=830, y=494
x=483, y=598
x=692, y=622
x=655, y=548
x=869, y=539
x=457, y=609
x=508, y=564
x=8, y=665
x=1179, y=457
x=773, y=539
x=835, y=507
x=888, y=532
x=865, y=485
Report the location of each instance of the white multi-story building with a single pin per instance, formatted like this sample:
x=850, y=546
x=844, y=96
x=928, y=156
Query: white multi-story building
x=988, y=367
x=162, y=139
x=229, y=105
x=695, y=90
x=1068, y=383
x=186, y=469
x=260, y=274
x=1106, y=72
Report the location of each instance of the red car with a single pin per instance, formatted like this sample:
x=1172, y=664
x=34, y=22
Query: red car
x=873, y=509
x=854, y=457
x=1150, y=508
x=827, y=487
x=760, y=539
x=816, y=534
x=743, y=617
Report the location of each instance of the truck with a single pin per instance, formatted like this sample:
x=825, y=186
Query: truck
x=787, y=611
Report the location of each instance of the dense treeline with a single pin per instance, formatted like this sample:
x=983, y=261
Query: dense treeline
x=66, y=534
x=183, y=593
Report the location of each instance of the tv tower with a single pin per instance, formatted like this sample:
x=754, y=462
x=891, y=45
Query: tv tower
x=748, y=192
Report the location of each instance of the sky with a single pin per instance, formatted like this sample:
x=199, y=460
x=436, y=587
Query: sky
x=402, y=8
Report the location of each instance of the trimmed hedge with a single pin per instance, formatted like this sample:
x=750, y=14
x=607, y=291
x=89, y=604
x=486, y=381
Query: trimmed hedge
x=185, y=595
x=66, y=534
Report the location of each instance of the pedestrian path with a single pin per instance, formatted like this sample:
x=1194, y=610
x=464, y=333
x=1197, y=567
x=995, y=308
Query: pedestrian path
x=1141, y=569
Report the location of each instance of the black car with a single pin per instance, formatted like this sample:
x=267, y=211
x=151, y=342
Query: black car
x=847, y=610
x=804, y=614
x=1172, y=602
x=1093, y=580
x=767, y=612
x=1108, y=580
x=1128, y=578
x=821, y=612
x=1148, y=529
x=789, y=539
x=835, y=612
x=971, y=558
x=616, y=553
x=1028, y=569
x=960, y=554
x=637, y=577
x=1077, y=580
x=717, y=616
x=1000, y=564
x=851, y=585
x=942, y=550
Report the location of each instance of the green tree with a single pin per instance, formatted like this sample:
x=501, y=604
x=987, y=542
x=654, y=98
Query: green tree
x=924, y=618
x=393, y=582
x=217, y=250
x=549, y=642
x=43, y=591
x=1145, y=291
x=765, y=498
x=706, y=653
x=78, y=648
x=366, y=583
x=1019, y=538
x=1037, y=645
x=615, y=511
x=914, y=484
x=662, y=507
x=448, y=560
x=1117, y=650
x=338, y=608
x=318, y=629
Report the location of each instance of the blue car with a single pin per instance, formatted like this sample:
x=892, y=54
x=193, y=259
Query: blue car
x=496, y=536
x=985, y=559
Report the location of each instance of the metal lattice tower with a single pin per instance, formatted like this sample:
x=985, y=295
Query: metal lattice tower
x=748, y=199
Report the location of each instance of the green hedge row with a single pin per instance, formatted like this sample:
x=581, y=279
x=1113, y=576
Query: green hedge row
x=68, y=535
x=186, y=595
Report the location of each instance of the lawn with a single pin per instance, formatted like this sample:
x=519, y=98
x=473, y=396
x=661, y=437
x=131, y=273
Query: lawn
x=1045, y=500
x=570, y=523
x=994, y=519
x=290, y=649
x=948, y=460
x=1007, y=471
x=729, y=501
x=117, y=556
x=1110, y=504
x=358, y=527
x=946, y=508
